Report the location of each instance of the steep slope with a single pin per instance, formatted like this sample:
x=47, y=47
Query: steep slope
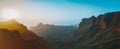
x=101, y=32
x=14, y=25
x=20, y=36
x=10, y=40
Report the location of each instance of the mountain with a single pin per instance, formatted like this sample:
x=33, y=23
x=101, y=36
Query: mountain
x=14, y=35
x=14, y=25
x=53, y=33
x=101, y=32
x=96, y=32
x=10, y=40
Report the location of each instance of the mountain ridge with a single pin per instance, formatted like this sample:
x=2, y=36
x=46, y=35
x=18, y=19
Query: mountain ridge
x=53, y=34
x=97, y=30
x=23, y=38
x=101, y=32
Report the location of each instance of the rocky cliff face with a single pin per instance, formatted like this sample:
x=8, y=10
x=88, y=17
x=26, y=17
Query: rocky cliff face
x=101, y=32
x=101, y=22
x=14, y=35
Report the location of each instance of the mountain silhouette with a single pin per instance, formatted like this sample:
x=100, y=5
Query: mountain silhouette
x=14, y=35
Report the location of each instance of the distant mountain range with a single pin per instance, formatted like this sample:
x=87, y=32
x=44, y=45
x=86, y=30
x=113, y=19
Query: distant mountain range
x=14, y=35
x=101, y=32
x=53, y=33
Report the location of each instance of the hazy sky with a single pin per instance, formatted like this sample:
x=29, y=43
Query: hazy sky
x=59, y=12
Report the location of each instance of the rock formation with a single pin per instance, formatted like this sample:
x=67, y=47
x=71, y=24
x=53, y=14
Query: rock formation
x=101, y=32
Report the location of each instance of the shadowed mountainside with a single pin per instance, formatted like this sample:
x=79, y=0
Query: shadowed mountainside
x=14, y=35
x=101, y=32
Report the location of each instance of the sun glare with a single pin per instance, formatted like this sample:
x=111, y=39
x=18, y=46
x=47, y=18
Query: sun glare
x=9, y=14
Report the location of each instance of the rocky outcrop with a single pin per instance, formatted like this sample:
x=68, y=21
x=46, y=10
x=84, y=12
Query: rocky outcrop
x=102, y=22
x=101, y=32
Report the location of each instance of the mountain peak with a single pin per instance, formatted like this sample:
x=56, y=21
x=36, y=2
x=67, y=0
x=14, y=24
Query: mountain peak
x=19, y=37
x=12, y=20
x=12, y=25
x=23, y=31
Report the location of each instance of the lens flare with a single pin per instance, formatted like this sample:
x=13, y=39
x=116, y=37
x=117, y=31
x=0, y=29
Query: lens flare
x=9, y=14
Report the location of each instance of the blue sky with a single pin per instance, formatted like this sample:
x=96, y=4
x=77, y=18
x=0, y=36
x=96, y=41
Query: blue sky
x=61, y=12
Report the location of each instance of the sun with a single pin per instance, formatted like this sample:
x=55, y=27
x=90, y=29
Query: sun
x=9, y=13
